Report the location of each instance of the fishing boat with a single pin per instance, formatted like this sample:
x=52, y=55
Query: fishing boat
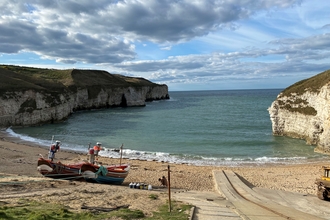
x=106, y=174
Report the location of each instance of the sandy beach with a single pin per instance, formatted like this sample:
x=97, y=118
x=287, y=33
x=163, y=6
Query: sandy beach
x=18, y=164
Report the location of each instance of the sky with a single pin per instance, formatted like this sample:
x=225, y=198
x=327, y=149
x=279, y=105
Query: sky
x=185, y=44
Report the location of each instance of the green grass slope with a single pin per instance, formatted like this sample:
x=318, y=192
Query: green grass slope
x=312, y=84
x=20, y=78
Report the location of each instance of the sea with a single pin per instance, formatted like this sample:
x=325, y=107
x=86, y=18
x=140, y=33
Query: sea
x=212, y=128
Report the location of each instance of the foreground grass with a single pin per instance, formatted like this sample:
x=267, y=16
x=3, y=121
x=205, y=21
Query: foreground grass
x=179, y=211
x=27, y=209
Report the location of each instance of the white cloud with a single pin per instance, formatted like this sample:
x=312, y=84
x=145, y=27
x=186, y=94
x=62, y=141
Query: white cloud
x=205, y=41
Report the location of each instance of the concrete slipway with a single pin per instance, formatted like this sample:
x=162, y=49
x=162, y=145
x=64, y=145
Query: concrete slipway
x=233, y=200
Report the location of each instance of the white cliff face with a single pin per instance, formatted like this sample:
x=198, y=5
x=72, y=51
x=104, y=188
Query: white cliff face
x=305, y=116
x=33, y=108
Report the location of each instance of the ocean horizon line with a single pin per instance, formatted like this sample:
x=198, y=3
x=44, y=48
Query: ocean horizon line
x=210, y=90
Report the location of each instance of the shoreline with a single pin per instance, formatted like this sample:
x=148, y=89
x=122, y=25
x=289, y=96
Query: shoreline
x=20, y=158
x=221, y=163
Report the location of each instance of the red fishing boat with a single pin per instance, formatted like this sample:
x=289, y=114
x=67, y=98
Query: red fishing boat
x=107, y=174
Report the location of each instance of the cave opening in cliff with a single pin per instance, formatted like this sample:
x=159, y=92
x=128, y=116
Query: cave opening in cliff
x=123, y=101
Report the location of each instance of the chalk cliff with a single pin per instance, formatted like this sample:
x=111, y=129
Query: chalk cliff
x=303, y=111
x=33, y=96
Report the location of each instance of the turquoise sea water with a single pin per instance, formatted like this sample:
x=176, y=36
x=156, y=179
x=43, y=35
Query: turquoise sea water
x=197, y=127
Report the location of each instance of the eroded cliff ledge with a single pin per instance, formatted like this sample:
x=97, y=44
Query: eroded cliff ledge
x=33, y=96
x=303, y=111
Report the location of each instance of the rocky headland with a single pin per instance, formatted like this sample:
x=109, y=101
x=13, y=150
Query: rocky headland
x=34, y=96
x=303, y=111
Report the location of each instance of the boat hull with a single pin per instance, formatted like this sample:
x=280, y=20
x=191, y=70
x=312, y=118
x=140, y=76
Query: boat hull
x=58, y=170
x=84, y=171
x=115, y=175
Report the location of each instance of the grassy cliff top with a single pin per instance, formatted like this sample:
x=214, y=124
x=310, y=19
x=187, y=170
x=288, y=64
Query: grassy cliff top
x=312, y=84
x=16, y=78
